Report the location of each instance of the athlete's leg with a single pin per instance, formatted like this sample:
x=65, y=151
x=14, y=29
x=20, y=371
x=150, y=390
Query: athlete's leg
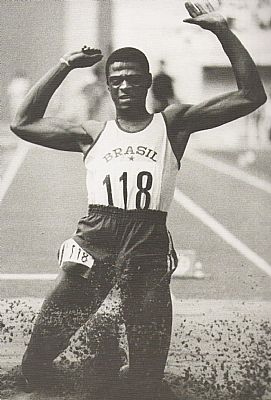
x=64, y=310
x=147, y=310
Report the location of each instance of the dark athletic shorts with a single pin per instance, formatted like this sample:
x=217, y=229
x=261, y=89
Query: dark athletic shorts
x=122, y=242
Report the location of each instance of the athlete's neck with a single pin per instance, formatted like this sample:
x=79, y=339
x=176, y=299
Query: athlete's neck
x=132, y=115
x=133, y=122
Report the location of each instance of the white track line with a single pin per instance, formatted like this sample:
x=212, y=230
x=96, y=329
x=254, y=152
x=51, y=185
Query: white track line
x=220, y=230
x=27, y=277
x=13, y=167
x=227, y=169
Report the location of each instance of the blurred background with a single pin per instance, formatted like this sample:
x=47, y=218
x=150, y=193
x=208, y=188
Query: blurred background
x=36, y=33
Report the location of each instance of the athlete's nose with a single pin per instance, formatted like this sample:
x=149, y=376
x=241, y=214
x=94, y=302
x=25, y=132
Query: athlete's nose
x=124, y=84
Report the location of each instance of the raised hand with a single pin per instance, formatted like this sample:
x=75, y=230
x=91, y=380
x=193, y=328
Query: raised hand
x=86, y=57
x=204, y=15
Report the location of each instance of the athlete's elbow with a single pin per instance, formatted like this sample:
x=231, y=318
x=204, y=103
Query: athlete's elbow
x=19, y=131
x=19, y=123
x=259, y=99
x=262, y=99
x=14, y=127
x=255, y=98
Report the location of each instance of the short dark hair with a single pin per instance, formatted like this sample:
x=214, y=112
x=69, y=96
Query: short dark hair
x=127, y=54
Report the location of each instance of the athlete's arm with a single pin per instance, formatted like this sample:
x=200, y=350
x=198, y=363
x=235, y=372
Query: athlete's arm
x=249, y=95
x=31, y=125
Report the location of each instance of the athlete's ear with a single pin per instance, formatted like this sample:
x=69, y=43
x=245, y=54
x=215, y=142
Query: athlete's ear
x=149, y=80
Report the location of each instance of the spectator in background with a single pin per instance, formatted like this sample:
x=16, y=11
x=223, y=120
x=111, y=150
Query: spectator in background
x=17, y=90
x=263, y=14
x=162, y=90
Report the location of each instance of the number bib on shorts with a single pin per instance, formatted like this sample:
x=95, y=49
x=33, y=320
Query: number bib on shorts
x=132, y=170
x=71, y=252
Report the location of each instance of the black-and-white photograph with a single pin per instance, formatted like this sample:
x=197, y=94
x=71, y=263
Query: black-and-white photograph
x=135, y=200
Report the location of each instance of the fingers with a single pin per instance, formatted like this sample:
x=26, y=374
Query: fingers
x=192, y=9
x=92, y=55
x=91, y=51
x=196, y=9
x=209, y=6
x=201, y=8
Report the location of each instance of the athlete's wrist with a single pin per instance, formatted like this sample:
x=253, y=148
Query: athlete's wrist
x=221, y=29
x=64, y=63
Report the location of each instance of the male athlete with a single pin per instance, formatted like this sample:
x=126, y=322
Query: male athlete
x=131, y=163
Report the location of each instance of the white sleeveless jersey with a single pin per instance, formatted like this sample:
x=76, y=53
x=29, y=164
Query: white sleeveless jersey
x=132, y=170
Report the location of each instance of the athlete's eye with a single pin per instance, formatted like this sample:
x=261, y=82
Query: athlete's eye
x=116, y=80
x=133, y=80
x=136, y=80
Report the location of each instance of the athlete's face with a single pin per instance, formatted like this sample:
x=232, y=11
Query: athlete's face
x=128, y=84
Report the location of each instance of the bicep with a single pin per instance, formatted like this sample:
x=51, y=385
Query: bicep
x=54, y=133
x=215, y=112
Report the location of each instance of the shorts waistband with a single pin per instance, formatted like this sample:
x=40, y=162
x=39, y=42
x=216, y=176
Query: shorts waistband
x=156, y=216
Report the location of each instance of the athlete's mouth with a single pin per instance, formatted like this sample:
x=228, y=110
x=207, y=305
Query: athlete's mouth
x=124, y=97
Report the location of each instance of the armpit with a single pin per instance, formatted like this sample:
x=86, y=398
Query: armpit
x=94, y=130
